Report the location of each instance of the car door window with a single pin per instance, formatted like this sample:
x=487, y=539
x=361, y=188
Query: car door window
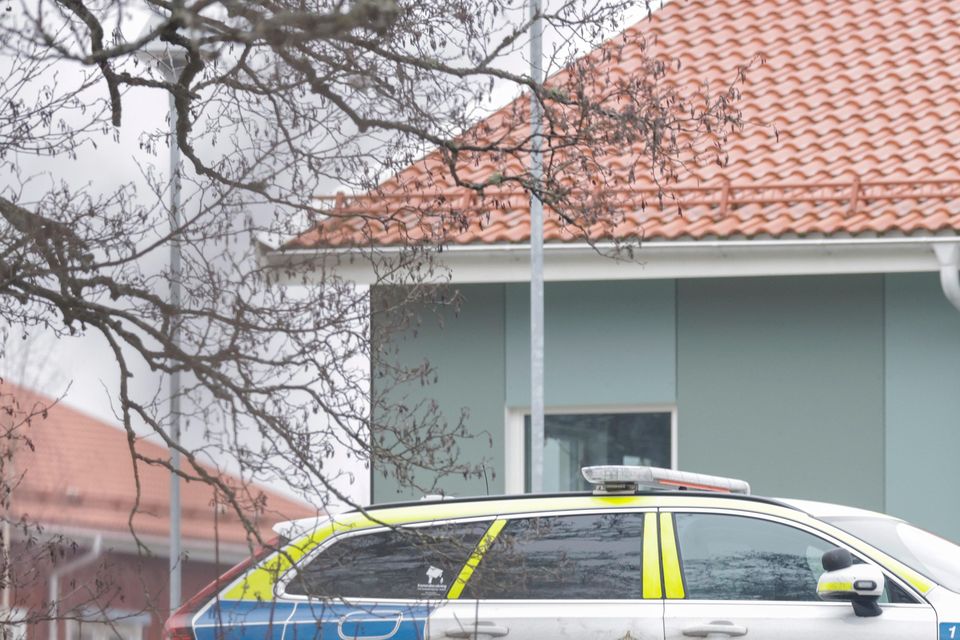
x=727, y=557
x=404, y=563
x=573, y=557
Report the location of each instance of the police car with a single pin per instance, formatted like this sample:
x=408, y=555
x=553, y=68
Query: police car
x=651, y=554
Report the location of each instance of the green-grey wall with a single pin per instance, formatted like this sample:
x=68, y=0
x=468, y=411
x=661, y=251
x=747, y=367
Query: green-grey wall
x=605, y=343
x=781, y=382
x=923, y=403
x=839, y=388
x=465, y=349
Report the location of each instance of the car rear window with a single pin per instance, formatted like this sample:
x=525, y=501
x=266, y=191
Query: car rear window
x=577, y=557
x=403, y=563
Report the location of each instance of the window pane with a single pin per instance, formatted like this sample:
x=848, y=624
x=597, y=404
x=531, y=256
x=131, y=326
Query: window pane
x=925, y=552
x=563, y=557
x=893, y=593
x=576, y=440
x=115, y=630
x=412, y=563
x=741, y=558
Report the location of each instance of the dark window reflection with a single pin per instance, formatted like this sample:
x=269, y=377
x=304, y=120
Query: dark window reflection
x=576, y=440
x=412, y=563
x=740, y=558
x=563, y=557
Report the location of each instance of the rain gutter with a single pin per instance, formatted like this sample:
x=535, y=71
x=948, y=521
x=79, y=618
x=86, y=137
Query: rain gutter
x=655, y=259
x=948, y=255
x=270, y=249
x=54, y=594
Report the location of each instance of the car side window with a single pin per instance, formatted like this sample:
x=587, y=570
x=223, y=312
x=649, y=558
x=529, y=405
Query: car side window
x=727, y=557
x=895, y=594
x=405, y=563
x=577, y=557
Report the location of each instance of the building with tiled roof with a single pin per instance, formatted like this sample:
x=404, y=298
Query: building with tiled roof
x=797, y=325
x=848, y=131
x=72, y=475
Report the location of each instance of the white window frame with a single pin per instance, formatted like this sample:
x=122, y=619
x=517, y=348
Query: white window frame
x=104, y=629
x=515, y=443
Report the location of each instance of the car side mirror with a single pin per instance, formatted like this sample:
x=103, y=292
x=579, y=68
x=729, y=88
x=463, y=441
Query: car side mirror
x=859, y=584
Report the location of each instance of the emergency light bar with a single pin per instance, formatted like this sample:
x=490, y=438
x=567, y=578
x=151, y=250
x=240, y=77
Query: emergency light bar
x=609, y=479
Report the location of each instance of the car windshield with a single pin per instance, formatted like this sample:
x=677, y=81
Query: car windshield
x=929, y=554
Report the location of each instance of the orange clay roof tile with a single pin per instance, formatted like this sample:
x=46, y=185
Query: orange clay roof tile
x=863, y=94
x=79, y=474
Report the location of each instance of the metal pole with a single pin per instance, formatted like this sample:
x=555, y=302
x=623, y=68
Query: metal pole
x=175, y=270
x=9, y=475
x=5, y=604
x=536, y=255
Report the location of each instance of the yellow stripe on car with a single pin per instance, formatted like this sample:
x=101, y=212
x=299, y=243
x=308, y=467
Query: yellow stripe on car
x=259, y=584
x=673, y=501
x=652, y=585
x=474, y=560
x=835, y=586
x=672, y=577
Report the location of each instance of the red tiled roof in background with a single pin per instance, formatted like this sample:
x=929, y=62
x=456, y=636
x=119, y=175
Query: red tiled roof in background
x=863, y=94
x=80, y=475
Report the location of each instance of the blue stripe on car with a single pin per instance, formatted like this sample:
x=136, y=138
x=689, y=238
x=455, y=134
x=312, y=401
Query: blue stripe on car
x=314, y=620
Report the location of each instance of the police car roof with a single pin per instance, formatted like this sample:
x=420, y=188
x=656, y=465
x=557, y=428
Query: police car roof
x=571, y=494
x=830, y=510
x=814, y=508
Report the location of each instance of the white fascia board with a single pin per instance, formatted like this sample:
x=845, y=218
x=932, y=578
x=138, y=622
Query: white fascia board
x=159, y=546
x=653, y=260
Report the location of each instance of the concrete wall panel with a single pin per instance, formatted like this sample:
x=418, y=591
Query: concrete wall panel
x=606, y=343
x=923, y=403
x=781, y=383
x=465, y=350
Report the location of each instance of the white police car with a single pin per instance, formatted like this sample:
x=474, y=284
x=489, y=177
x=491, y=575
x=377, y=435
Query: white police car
x=652, y=554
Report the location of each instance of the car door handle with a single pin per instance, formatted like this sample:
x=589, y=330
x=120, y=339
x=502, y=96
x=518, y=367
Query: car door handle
x=362, y=625
x=481, y=628
x=715, y=629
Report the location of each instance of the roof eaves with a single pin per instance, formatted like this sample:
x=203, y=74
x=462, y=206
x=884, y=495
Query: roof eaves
x=125, y=542
x=655, y=259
